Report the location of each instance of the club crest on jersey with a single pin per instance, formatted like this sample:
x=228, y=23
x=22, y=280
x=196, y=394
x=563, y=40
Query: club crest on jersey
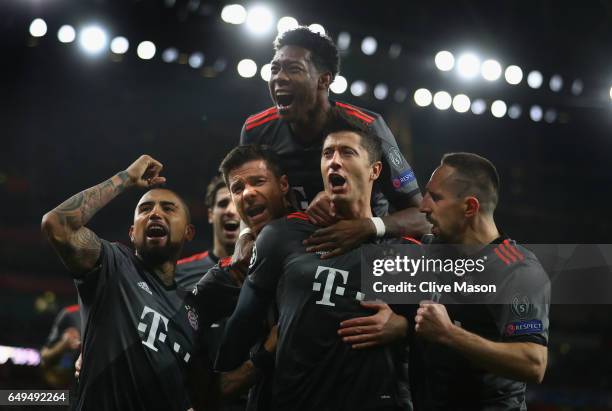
x=396, y=158
x=521, y=306
x=145, y=287
x=253, y=257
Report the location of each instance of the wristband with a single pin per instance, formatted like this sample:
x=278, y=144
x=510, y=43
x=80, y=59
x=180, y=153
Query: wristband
x=244, y=231
x=380, y=226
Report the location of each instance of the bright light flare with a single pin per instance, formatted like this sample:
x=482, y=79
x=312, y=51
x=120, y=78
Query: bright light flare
x=234, y=14
x=422, y=97
x=260, y=20
x=146, y=50
x=339, y=85
x=445, y=61
x=66, y=34
x=247, y=68
x=461, y=103
x=92, y=39
x=38, y=28
x=468, y=65
x=442, y=100
x=491, y=70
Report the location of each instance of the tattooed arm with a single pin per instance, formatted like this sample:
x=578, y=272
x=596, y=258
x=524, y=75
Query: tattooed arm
x=64, y=226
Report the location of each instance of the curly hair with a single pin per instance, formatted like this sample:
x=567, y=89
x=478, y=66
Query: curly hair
x=322, y=48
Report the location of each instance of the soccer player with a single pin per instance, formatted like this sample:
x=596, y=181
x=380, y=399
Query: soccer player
x=62, y=348
x=137, y=331
x=314, y=368
x=225, y=223
x=303, y=67
x=469, y=356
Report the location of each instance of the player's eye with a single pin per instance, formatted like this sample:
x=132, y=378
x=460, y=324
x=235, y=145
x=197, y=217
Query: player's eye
x=223, y=203
x=327, y=153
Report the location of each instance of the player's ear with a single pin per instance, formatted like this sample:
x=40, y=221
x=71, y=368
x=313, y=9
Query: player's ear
x=472, y=206
x=210, y=215
x=325, y=80
x=375, y=170
x=131, y=233
x=189, y=232
x=284, y=183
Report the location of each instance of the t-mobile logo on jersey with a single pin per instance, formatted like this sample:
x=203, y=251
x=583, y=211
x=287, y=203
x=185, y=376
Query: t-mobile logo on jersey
x=153, y=335
x=329, y=284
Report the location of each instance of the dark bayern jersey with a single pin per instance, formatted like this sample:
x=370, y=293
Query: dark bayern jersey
x=315, y=369
x=69, y=317
x=137, y=339
x=392, y=191
x=190, y=269
x=443, y=379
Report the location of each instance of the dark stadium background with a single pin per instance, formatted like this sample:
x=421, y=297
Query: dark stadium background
x=69, y=121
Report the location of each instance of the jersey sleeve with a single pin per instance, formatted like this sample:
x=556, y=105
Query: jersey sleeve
x=244, y=137
x=524, y=315
x=91, y=284
x=398, y=181
x=215, y=296
x=243, y=328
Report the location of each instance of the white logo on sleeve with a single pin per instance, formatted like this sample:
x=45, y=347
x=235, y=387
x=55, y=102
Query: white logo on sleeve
x=329, y=284
x=154, y=326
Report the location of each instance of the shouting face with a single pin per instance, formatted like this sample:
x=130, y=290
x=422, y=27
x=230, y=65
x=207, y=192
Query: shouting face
x=259, y=195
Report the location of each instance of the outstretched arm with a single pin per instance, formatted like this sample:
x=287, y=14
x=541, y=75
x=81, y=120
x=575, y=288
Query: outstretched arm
x=64, y=226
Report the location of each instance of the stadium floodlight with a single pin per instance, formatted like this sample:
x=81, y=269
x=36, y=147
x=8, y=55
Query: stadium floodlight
x=468, y=65
x=550, y=116
x=478, y=106
x=119, y=45
x=286, y=23
x=247, y=68
x=234, y=14
x=513, y=74
x=535, y=79
x=196, y=60
x=556, y=83
x=317, y=28
x=491, y=70
x=38, y=28
x=358, y=88
x=146, y=50
x=92, y=39
x=266, y=72
x=66, y=34
x=339, y=85
x=461, y=103
x=442, y=100
x=344, y=40
x=610, y=93
x=498, y=108
x=423, y=97
x=170, y=55
x=577, y=87
x=260, y=20
x=445, y=61
x=535, y=113
x=380, y=91
x=369, y=45
x=514, y=111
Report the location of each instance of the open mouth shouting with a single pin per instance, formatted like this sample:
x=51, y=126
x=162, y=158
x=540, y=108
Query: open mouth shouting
x=230, y=227
x=156, y=231
x=284, y=100
x=257, y=214
x=337, y=183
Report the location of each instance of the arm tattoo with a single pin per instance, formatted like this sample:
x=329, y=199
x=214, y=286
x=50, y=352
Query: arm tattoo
x=81, y=207
x=80, y=247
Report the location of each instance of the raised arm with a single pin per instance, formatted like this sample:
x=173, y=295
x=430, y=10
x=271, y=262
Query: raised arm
x=64, y=226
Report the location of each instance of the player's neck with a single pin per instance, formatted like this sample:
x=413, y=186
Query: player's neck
x=312, y=126
x=353, y=210
x=164, y=270
x=481, y=231
x=220, y=250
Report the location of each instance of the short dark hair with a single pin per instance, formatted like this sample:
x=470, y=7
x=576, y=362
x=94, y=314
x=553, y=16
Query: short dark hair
x=340, y=121
x=477, y=176
x=322, y=48
x=215, y=184
x=251, y=152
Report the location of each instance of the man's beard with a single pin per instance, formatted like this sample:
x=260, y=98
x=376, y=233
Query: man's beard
x=157, y=255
